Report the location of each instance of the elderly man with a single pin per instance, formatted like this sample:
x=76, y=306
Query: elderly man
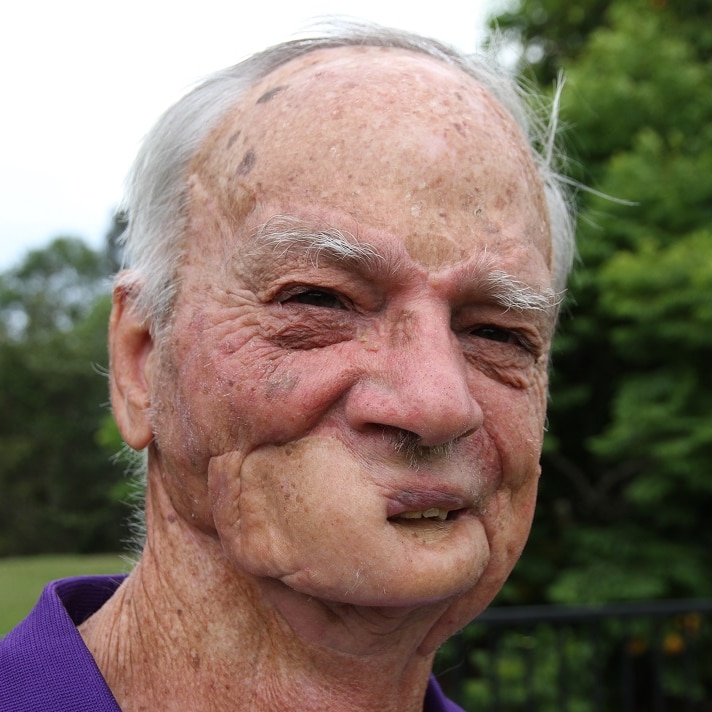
x=332, y=342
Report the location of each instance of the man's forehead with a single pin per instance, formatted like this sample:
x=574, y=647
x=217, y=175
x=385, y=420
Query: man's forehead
x=342, y=76
x=344, y=92
x=394, y=138
x=368, y=63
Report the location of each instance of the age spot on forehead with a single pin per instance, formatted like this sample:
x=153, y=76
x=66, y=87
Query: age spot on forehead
x=270, y=94
x=247, y=163
x=232, y=139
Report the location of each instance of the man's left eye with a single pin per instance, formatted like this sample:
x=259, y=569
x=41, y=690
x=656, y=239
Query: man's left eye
x=316, y=298
x=496, y=333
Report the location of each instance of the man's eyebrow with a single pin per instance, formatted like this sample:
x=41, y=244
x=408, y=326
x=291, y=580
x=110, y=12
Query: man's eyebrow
x=513, y=294
x=283, y=234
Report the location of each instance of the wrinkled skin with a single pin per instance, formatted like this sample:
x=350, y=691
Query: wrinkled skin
x=277, y=408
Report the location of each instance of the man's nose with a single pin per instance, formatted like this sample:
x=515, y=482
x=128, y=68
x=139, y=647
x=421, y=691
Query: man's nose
x=418, y=384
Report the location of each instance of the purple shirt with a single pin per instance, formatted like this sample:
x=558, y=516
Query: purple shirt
x=44, y=664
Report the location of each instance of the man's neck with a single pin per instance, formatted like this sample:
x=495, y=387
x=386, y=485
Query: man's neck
x=186, y=631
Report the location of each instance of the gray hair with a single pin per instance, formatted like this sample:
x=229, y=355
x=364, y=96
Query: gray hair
x=157, y=186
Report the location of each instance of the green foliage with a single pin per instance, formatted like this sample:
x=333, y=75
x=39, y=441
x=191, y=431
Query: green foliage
x=55, y=478
x=626, y=485
x=582, y=665
x=52, y=290
x=551, y=31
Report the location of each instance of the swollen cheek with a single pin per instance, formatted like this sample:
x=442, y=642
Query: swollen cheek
x=237, y=528
x=245, y=513
x=292, y=510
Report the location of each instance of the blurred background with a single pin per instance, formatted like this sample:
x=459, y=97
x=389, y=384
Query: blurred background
x=627, y=470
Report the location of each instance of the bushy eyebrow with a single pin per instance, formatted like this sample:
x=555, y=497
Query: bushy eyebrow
x=283, y=234
x=516, y=295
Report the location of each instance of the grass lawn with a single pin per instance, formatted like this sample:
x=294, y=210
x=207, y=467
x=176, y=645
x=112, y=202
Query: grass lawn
x=22, y=579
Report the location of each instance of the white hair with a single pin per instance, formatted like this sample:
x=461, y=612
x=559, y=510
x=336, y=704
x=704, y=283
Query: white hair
x=284, y=233
x=157, y=187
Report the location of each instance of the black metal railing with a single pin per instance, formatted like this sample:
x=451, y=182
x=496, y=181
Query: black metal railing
x=632, y=657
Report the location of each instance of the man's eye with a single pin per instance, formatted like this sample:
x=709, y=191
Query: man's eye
x=316, y=298
x=496, y=333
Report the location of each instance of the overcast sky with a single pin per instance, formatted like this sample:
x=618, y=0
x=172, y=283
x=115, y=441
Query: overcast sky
x=84, y=80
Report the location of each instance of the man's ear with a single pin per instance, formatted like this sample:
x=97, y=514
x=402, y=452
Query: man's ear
x=130, y=357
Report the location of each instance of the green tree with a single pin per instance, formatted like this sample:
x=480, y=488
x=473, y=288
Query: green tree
x=551, y=32
x=626, y=488
x=57, y=481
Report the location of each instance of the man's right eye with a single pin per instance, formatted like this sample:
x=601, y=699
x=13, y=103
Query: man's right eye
x=315, y=298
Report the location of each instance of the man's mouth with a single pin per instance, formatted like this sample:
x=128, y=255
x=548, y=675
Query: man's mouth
x=410, y=506
x=437, y=514
x=432, y=513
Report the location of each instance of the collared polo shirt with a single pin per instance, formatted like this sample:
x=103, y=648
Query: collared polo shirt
x=45, y=666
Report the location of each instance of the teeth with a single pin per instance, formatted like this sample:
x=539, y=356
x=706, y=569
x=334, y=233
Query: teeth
x=432, y=513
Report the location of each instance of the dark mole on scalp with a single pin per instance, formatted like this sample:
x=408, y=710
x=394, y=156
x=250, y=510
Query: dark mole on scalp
x=270, y=94
x=233, y=138
x=247, y=163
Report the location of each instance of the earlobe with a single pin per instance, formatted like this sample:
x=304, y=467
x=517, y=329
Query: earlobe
x=130, y=355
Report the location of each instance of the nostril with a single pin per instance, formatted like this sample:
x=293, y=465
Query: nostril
x=467, y=434
x=414, y=448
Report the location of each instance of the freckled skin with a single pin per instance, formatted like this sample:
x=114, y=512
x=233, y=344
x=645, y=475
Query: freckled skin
x=408, y=167
x=273, y=416
x=375, y=157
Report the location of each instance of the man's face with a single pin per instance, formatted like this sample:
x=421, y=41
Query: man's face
x=352, y=393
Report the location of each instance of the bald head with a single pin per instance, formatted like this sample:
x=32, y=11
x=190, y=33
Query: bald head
x=367, y=87
x=376, y=139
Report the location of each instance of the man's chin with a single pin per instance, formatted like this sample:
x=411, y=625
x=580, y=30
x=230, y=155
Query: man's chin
x=349, y=627
x=402, y=564
x=411, y=584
